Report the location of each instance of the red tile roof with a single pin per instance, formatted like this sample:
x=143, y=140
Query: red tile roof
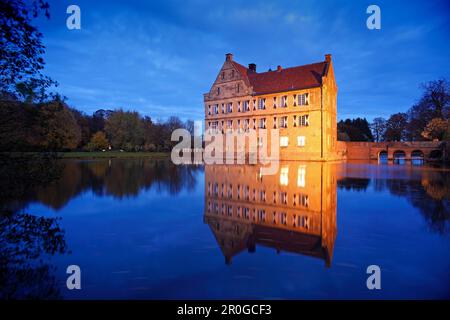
x=294, y=78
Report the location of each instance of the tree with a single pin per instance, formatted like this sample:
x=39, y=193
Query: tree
x=98, y=142
x=378, y=127
x=59, y=127
x=396, y=127
x=434, y=103
x=21, y=50
x=124, y=130
x=436, y=129
x=355, y=129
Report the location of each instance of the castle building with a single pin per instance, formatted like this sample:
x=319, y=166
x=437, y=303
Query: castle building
x=299, y=101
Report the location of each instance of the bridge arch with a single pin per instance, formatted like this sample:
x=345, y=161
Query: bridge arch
x=383, y=156
x=417, y=157
x=399, y=157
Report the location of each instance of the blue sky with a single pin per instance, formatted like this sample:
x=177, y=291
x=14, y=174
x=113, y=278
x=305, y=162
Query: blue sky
x=160, y=57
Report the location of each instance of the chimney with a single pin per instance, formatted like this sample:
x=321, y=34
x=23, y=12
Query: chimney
x=252, y=67
x=279, y=68
x=328, y=57
x=229, y=57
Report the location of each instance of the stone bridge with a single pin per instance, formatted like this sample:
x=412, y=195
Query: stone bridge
x=427, y=150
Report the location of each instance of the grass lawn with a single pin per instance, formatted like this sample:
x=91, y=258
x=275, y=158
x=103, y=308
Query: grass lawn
x=113, y=154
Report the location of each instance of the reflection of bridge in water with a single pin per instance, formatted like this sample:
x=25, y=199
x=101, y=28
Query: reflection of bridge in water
x=293, y=210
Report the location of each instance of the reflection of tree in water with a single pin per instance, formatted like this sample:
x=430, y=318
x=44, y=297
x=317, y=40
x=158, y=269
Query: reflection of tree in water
x=430, y=195
x=27, y=241
x=119, y=178
x=355, y=184
x=24, y=271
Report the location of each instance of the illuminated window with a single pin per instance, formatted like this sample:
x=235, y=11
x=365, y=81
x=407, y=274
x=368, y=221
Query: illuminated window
x=284, y=141
x=301, y=176
x=301, y=141
x=284, y=176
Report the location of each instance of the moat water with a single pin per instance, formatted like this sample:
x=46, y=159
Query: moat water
x=143, y=229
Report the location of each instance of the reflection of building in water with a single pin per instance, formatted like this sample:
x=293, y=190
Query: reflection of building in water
x=293, y=210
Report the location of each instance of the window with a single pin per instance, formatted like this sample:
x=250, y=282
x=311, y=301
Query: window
x=223, y=75
x=229, y=124
x=218, y=90
x=284, y=141
x=238, y=88
x=262, y=103
x=283, y=197
x=262, y=196
x=246, y=105
x=303, y=99
x=274, y=102
x=254, y=124
x=216, y=109
x=239, y=106
x=262, y=215
x=284, y=176
x=301, y=176
x=301, y=141
x=283, y=103
x=209, y=110
x=303, y=121
x=246, y=124
x=223, y=107
x=283, y=218
x=295, y=100
x=262, y=123
x=229, y=107
x=283, y=122
x=274, y=122
x=254, y=104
